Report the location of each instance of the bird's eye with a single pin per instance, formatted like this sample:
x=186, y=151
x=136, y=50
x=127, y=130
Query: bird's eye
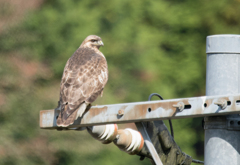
x=93, y=40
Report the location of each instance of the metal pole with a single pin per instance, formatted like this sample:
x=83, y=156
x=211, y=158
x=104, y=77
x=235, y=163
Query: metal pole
x=222, y=133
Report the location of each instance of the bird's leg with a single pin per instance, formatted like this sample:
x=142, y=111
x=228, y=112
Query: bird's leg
x=58, y=107
x=82, y=109
x=88, y=107
x=57, y=110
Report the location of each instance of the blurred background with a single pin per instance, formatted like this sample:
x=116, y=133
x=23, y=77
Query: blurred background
x=151, y=47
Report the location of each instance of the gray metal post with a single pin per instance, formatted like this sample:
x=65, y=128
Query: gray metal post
x=222, y=133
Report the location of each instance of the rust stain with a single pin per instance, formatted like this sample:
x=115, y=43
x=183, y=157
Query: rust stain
x=208, y=102
x=94, y=111
x=233, y=104
x=128, y=112
x=198, y=111
x=148, y=108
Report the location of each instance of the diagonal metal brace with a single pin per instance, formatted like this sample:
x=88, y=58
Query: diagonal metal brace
x=149, y=144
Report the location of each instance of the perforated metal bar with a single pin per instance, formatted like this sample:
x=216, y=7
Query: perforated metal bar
x=148, y=111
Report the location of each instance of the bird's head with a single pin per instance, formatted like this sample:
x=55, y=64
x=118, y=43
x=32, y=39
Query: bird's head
x=92, y=41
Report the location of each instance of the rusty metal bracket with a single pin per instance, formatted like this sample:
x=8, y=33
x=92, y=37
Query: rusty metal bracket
x=147, y=111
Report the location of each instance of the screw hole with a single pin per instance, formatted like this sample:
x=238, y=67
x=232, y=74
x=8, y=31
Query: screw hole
x=187, y=106
x=228, y=103
x=205, y=105
x=149, y=109
x=231, y=122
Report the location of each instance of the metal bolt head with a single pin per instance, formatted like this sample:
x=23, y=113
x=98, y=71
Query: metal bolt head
x=121, y=112
x=179, y=106
x=222, y=103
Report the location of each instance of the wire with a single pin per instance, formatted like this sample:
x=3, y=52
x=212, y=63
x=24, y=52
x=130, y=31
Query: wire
x=197, y=161
x=170, y=122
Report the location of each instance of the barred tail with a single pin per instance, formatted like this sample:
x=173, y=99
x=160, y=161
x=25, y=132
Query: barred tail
x=65, y=118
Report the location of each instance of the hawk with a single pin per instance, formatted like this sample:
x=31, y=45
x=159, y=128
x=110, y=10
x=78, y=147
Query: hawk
x=84, y=77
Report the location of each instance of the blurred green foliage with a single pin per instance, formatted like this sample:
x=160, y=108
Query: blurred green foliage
x=150, y=46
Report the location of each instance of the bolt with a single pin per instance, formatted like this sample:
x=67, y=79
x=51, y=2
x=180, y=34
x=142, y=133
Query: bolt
x=121, y=112
x=222, y=103
x=179, y=105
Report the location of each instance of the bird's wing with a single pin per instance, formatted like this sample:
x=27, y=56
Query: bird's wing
x=82, y=83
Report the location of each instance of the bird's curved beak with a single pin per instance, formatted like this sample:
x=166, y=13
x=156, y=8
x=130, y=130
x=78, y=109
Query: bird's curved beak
x=100, y=43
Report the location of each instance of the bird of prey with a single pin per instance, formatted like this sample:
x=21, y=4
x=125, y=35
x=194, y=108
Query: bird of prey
x=84, y=77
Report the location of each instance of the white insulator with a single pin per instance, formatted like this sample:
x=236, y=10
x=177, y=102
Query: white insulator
x=137, y=142
x=104, y=133
x=112, y=131
x=96, y=131
x=129, y=140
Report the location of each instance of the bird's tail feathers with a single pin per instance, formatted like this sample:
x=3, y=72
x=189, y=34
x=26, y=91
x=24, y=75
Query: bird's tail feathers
x=66, y=116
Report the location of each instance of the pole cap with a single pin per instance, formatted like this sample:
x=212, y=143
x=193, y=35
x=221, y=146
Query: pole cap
x=224, y=43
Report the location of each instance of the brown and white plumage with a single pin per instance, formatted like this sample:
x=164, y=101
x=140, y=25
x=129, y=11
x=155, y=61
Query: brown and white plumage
x=84, y=77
